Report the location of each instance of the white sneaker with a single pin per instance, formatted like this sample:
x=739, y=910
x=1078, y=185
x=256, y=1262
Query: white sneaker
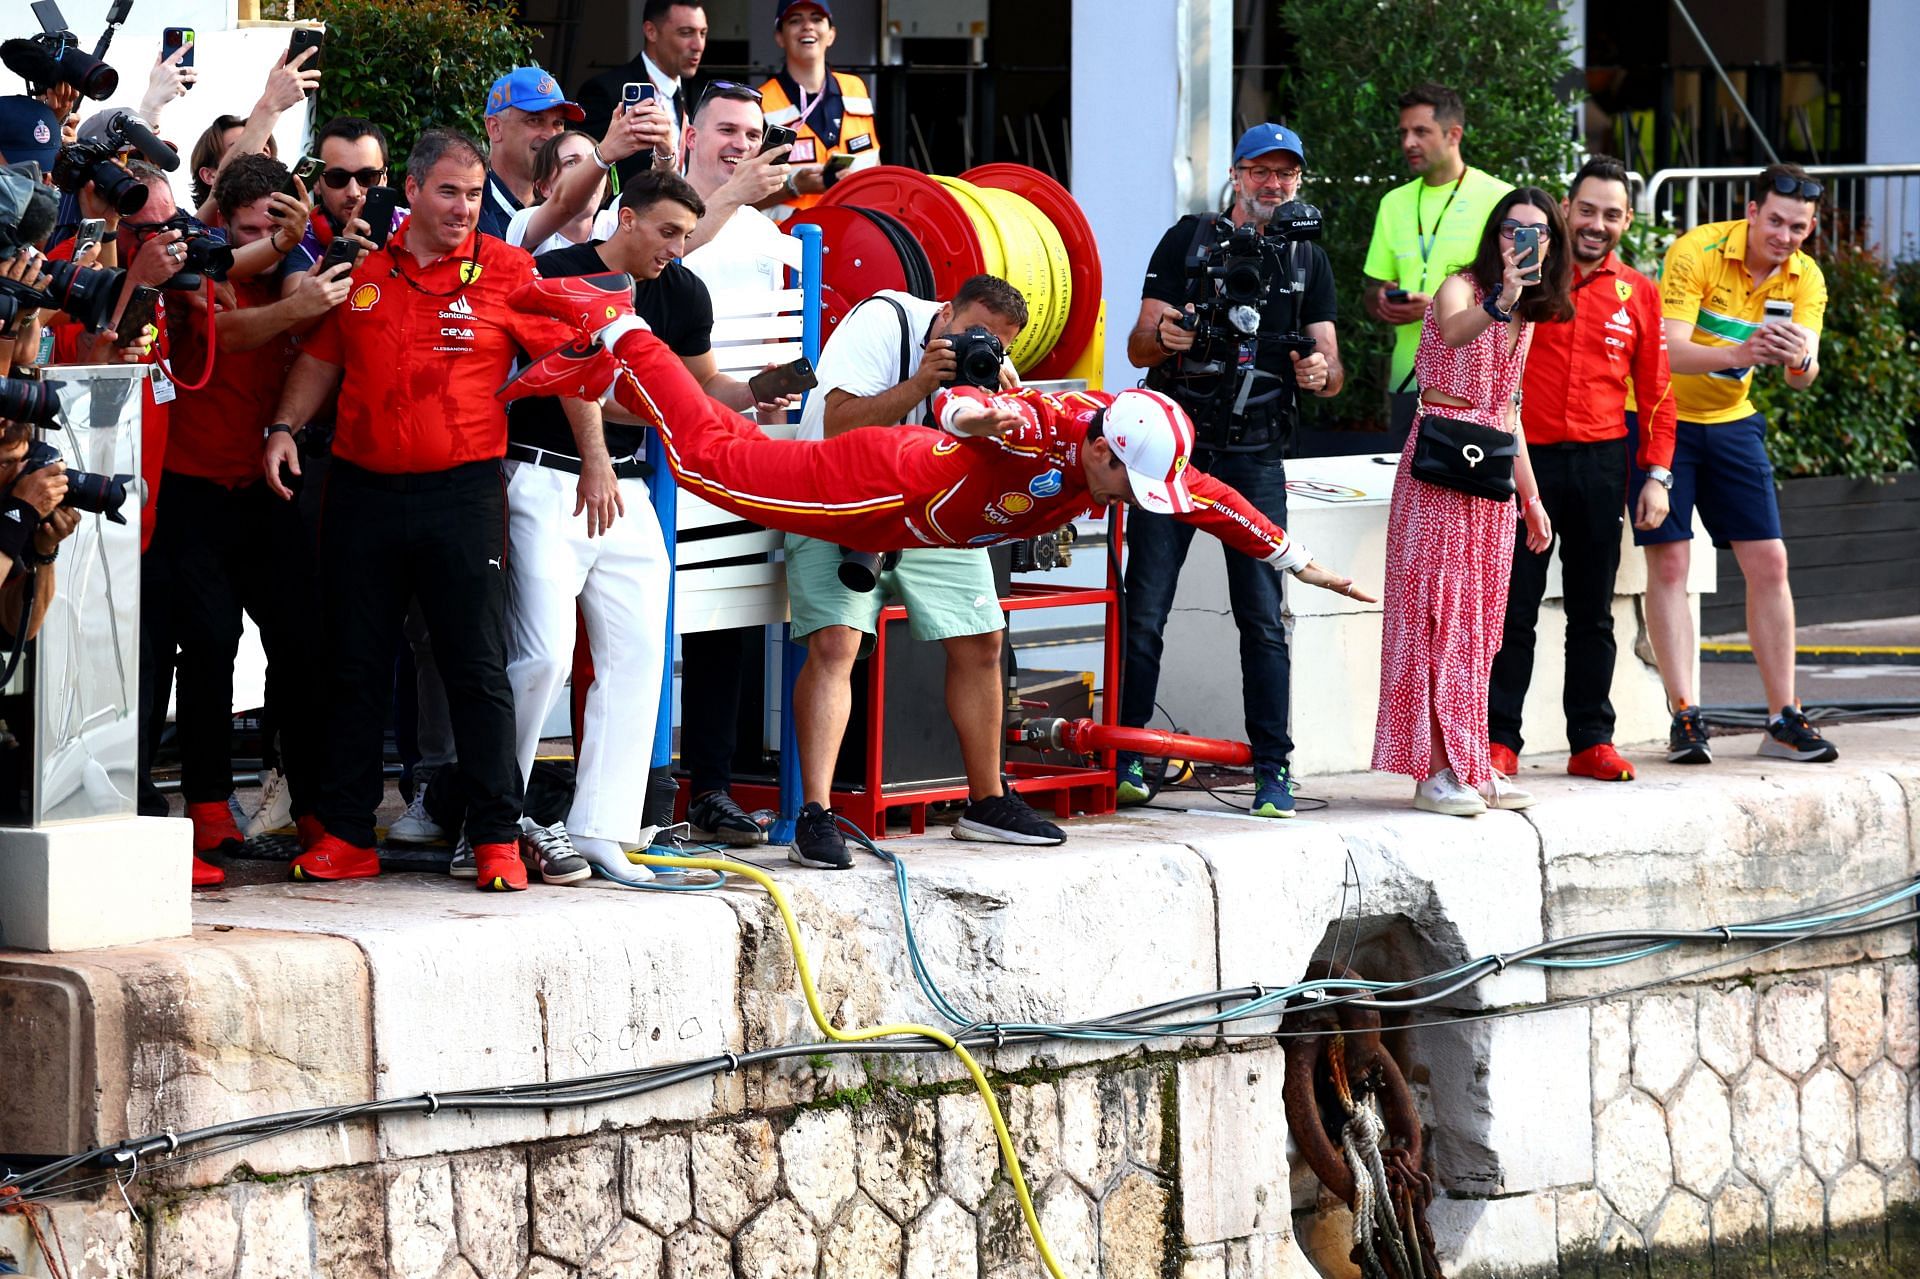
x=1445, y=793
x=275, y=810
x=414, y=826
x=1502, y=793
x=463, y=865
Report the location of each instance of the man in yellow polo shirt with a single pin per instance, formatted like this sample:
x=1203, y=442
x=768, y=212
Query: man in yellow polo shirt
x=1424, y=231
x=1726, y=294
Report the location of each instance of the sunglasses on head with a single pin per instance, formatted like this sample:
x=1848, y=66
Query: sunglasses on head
x=338, y=178
x=726, y=89
x=1803, y=188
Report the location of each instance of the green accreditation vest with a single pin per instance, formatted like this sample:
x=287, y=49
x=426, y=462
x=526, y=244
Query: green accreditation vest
x=1421, y=235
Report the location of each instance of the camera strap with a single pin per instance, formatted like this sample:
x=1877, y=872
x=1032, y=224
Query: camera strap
x=906, y=347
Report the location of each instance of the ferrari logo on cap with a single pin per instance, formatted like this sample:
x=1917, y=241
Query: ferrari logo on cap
x=364, y=297
x=469, y=272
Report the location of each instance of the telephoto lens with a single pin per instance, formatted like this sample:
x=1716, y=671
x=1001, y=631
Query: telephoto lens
x=861, y=570
x=25, y=401
x=86, y=293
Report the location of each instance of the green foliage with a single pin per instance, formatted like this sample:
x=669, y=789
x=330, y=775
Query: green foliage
x=1855, y=418
x=1504, y=57
x=410, y=65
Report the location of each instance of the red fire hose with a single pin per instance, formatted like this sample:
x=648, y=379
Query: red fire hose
x=1086, y=737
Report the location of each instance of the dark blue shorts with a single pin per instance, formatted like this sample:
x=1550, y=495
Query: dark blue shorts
x=1723, y=470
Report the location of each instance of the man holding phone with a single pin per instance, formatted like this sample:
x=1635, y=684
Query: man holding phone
x=1715, y=293
x=674, y=38
x=584, y=535
x=348, y=160
x=1424, y=231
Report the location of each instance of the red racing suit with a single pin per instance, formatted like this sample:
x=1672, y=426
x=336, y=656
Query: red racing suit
x=896, y=487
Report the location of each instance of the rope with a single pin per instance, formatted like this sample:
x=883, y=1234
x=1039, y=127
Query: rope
x=11, y=1202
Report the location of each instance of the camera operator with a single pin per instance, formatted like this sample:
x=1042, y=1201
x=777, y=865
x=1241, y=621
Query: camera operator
x=884, y=364
x=1242, y=414
x=33, y=523
x=224, y=543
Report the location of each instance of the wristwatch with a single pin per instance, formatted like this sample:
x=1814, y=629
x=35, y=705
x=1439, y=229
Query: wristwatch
x=1492, y=307
x=1662, y=476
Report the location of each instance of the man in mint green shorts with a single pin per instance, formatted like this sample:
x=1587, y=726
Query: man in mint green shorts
x=883, y=364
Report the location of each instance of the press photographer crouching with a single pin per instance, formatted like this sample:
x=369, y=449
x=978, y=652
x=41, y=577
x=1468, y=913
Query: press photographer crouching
x=1236, y=323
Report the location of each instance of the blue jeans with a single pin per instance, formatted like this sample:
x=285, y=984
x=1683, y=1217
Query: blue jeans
x=1157, y=546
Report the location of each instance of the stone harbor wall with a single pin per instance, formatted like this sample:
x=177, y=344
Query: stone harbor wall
x=1757, y=1118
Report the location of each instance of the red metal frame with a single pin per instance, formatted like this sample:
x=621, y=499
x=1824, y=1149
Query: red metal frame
x=1061, y=789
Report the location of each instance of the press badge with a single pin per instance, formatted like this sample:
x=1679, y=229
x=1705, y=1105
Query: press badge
x=163, y=391
x=802, y=152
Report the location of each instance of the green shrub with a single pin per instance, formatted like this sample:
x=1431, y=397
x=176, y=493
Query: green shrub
x=1505, y=57
x=1855, y=418
x=410, y=65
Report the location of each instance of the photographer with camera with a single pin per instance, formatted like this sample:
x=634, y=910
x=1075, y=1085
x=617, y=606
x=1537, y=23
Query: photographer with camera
x=224, y=545
x=1236, y=322
x=34, y=519
x=884, y=364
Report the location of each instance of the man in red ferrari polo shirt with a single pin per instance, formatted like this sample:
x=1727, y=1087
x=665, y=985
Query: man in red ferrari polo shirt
x=1578, y=434
x=415, y=506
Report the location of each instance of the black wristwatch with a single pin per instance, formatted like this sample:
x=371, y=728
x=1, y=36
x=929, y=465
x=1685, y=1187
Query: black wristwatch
x=282, y=428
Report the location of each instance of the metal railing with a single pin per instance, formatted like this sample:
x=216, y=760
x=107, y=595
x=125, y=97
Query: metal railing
x=1872, y=205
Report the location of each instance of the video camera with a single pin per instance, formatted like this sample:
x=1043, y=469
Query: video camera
x=97, y=160
x=86, y=491
x=1241, y=263
x=55, y=57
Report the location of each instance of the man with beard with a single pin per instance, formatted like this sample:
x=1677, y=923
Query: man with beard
x=1578, y=426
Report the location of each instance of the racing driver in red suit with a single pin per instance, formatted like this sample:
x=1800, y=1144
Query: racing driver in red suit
x=1003, y=467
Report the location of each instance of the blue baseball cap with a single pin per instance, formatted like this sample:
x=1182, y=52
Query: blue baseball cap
x=1262, y=138
x=781, y=10
x=530, y=89
x=29, y=131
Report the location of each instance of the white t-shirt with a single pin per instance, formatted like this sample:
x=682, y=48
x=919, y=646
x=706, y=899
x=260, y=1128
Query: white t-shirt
x=748, y=252
x=862, y=357
x=605, y=223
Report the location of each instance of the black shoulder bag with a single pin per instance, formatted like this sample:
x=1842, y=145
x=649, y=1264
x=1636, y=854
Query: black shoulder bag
x=1465, y=457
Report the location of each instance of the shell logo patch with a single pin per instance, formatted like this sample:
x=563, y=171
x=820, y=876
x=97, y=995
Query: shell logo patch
x=1624, y=289
x=364, y=297
x=1015, y=503
x=469, y=272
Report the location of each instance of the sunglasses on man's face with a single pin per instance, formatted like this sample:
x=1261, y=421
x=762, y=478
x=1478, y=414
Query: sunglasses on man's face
x=338, y=178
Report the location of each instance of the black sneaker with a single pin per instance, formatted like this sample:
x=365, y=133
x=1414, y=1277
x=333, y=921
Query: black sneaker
x=1006, y=819
x=715, y=816
x=1687, y=739
x=1790, y=736
x=818, y=841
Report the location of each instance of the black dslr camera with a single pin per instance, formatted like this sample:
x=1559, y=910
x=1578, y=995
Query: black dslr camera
x=95, y=494
x=977, y=356
x=79, y=163
x=55, y=57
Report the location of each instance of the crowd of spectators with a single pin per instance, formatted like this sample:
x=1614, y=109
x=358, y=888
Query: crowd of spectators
x=323, y=453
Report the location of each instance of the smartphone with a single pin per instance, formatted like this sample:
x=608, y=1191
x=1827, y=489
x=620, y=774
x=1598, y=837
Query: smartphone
x=175, y=38
x=141, y=308
x=840, y=162
x=91, y=232
x=341, y=249
x=306, y=38
x=1778, y=309
x=1396, y=295
x=777, y=135
x=377, y=213
x=634, y=92
x=309, y=169
x=789, y=379
x=1526, y=244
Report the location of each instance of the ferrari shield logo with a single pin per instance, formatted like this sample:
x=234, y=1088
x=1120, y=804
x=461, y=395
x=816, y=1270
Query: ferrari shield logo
x=469, y=272
x=1624, y=289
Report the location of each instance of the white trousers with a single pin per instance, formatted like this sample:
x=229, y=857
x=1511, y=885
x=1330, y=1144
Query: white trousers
x=619, y=580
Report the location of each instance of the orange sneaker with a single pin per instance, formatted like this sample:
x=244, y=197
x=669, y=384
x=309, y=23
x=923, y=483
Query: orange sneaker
x=310, y=831
x=500, y=868
x=1505, y=762
x=1602, y=763
x=206, y=874
x=331, y=857
x=214, y=830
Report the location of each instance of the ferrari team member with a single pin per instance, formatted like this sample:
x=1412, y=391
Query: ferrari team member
x=1071, y=454
x=1577, y=428
x=414, y=507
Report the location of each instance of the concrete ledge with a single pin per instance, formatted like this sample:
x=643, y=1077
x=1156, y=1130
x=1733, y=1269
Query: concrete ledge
x=84, y=885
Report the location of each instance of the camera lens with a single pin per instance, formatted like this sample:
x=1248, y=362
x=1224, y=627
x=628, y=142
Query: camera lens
x=24, y=401
x=118, y=187
x=88, y=74
x=87, y=294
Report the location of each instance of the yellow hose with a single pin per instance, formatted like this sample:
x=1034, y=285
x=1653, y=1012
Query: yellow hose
x=827, y=1028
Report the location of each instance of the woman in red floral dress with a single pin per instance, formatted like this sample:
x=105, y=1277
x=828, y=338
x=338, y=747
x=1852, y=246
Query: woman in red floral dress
x=1450, y=554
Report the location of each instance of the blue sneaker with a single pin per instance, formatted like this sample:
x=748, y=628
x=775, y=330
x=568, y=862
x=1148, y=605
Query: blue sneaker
x=1273, y=793
x=1132, y=772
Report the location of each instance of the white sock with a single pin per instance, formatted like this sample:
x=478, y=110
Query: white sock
x=611, y=859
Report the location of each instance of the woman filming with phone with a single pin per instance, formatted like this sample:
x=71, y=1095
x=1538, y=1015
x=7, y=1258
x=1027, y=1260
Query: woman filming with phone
x=1464, y=481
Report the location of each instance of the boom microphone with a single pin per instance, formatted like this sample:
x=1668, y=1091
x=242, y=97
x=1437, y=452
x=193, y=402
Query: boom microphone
x=30, y=61
x=130, y=127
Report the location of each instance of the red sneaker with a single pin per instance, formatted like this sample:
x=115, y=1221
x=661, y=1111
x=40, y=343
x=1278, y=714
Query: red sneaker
x=214, y=830
x=588, y=303
x=1505, y=762
x=1602, y=763
x=206, y=874
x=331, y=857
x=581, y=370
x=310, y=831
x=500, y=867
